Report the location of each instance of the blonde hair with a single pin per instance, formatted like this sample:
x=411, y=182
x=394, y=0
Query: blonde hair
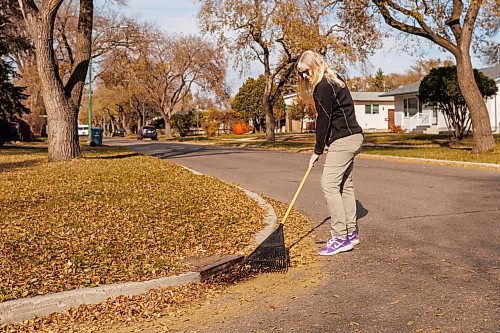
x=318, y=69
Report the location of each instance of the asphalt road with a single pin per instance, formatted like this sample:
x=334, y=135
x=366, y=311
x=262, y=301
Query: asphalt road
x=429, y=253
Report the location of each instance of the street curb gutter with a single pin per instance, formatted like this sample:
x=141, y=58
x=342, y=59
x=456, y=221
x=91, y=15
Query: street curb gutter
x=429, y=160
x=39, y=306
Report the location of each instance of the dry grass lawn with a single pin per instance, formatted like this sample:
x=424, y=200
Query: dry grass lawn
x=110, y=217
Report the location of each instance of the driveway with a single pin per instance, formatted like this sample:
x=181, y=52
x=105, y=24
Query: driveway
x=428, y=259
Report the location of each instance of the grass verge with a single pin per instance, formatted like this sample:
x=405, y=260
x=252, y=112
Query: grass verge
x=166, y=302
x=110, y=217
x=439, y=146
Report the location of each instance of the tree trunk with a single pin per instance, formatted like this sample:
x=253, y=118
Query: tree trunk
x=74, y=86
x=168, y=128
x=63, y=137
x=482, y=135
x=268, y=108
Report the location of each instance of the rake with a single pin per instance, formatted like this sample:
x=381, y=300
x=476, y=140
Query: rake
x=272, y=255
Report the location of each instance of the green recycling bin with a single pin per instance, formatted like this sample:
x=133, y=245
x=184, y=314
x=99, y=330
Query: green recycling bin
x=97, y=133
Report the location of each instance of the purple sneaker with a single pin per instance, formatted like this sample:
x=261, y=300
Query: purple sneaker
x=353, y=237
x=335, y=245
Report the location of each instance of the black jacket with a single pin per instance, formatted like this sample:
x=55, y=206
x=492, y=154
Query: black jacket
x=336, y=117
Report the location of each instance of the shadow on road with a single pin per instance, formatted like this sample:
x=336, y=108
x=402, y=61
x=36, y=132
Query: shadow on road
x=308, y=232
x=361, y=211
x=174, y=150
x=195, y=152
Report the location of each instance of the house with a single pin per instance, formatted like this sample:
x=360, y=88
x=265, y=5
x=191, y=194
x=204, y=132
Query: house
x=416, y=117
x=292, y=125
x=373, y=112
x=493, y=103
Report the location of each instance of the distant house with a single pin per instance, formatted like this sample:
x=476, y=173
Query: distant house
x=373, y=113
x=416, y=117
x=493, y=103
x=308, y=124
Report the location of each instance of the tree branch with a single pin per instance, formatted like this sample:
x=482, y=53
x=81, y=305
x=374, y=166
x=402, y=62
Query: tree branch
x=50, y=8
x=425, y=31
x=470, y=20
x=454, y=21
x=83, y=49
x=28, y=8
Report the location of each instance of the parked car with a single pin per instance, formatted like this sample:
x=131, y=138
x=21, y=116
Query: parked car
x=119, y=132
x=9, y=131
x=83, y=130
x=147, y=132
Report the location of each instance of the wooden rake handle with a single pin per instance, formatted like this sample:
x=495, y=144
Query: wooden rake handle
x=297, y=193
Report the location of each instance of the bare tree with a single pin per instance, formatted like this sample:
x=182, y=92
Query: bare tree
x=451, y=25
x=172, y=66
x=395, y=80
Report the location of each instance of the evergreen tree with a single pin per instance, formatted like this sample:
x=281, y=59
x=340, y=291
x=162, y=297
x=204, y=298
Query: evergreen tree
x=248, y=102
x=378, y=81
x=11, y=96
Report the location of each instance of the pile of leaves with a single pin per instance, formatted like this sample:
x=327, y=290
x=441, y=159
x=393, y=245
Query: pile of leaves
x=169, y=301
x=113, y=216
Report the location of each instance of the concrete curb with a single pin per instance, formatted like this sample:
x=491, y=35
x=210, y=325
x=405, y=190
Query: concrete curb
x=429, y=160
x=39, y=306
x=28, y=308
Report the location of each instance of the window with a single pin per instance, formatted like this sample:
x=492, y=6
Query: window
x=410, y=106
x=371, y=109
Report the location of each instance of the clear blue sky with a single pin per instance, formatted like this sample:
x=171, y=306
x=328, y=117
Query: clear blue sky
x=179, y=16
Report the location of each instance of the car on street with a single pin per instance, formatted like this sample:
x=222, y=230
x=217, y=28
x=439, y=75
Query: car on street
x=119, y=132
x=9, y=131
x=147, y=132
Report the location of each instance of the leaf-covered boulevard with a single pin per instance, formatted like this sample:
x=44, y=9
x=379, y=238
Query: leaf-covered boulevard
x=113, y=216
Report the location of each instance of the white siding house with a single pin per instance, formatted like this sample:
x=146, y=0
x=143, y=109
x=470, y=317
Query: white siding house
x=493, y=103
x=372, y=112
x=416, y=117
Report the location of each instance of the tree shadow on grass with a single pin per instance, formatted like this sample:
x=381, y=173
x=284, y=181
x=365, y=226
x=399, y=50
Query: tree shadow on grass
x=11, y=166
x=14, y=150
x=113, y=157
x=20, y=150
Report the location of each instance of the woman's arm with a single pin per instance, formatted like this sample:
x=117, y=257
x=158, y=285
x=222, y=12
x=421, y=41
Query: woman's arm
x=323, y=101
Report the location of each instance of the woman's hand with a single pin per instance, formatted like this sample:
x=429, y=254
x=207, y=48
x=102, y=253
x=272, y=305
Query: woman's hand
x=313, y=159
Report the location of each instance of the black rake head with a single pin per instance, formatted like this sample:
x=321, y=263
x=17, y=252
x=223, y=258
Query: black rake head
x=271, y=255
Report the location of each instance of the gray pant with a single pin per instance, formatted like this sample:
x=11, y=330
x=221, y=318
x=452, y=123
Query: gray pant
x=338, y=186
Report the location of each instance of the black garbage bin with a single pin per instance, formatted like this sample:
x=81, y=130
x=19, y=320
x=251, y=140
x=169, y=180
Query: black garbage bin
x=97, y=133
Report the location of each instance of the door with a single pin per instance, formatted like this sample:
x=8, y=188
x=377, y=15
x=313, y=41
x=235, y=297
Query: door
x=390, y=120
